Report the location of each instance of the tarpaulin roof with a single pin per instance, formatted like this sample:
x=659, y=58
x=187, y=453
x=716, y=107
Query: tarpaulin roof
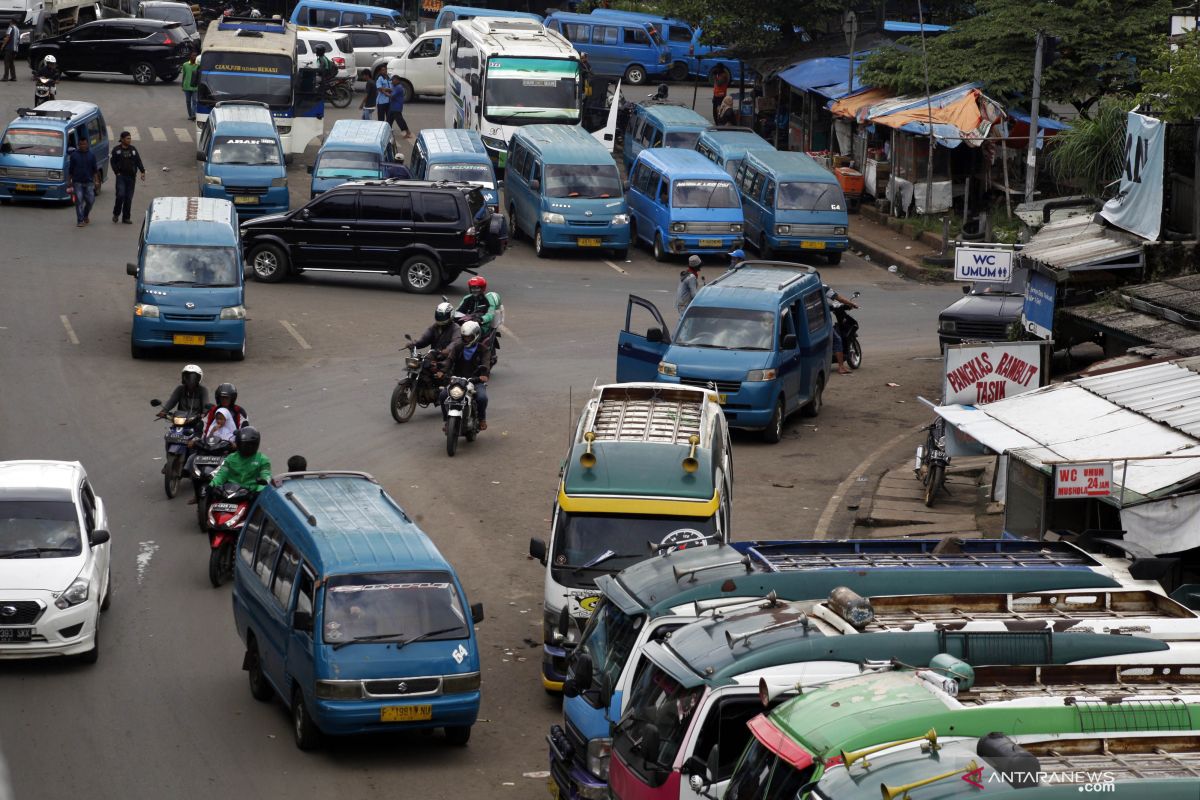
x=961, y=114
x=854, y=104
x=896, y=26
x=1044, y=123
x=816, y=74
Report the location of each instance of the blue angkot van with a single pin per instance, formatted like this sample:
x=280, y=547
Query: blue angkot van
x=243, y=159
x=793, y=206
x=35, y=147
x=354, y=150
x=455, y=154
x=680, y=203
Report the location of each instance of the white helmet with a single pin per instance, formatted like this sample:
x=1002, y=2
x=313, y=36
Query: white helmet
x=443, y=313
x=470, y=331
x=50, y=60
x=191, y=369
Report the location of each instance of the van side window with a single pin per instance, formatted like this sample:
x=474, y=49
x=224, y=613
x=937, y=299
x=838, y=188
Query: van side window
x=757, y=185
x=645, y=134
x=354, y=18
x=285, y=575
x=637, y=178
x=664, y=190
x=326, y=18
x=769, y=195
x=814, y=311
x=94, y=133
x=657, y=140
x=577, y=32
x=304, y=596
x=268, y=548
x=637, y=36
x=679, y=33
x=707, y=152
x=533, y=168
x=603, y=34
x=250, y=535
x=743, y=177
x=427, y=49
x=785, y=326
x=726, y=728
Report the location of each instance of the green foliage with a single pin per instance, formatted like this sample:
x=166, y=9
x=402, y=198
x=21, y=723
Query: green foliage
x=1091, y=153
x=1101, y=43
x=758, y=27
x=1171, y=83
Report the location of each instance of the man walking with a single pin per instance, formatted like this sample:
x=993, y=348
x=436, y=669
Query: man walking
x=383, y=94
x=689, y=285
x=9, y=44
x=190, y=73
x=126, y=163
x=721, y=76
x=396, y=107
x=85, y=177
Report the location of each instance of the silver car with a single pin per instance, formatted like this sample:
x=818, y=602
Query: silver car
x=373, y=44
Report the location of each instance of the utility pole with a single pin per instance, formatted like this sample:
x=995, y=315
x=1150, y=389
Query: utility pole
x=1031, y=150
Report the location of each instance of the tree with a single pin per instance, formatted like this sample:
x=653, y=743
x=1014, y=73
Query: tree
x=1171, y=83
x=759, y=27
x=1101, y=44
x=1091, y=153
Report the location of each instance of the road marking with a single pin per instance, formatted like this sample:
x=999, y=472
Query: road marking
x=618, y=269
x=134, y=134
x=842, y=488
x=508, y=332
x=158, y=134
x=110, y=132
x=70, y=331
x=287, y=326
x=183, y=135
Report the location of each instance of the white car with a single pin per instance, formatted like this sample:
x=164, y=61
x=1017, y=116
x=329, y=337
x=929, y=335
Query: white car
x=54, y=561
x=422, y=68
x=373, y=43
x=341, y=51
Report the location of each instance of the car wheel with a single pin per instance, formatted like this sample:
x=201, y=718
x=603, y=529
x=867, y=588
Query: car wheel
x=107, y=592
x=269, y=263
x=93, y=655
x=260, y=689
x=458, y=734
x=538, y=247
x=409, y=94
x=137, y=352
x=833, y=258
x=635, y=75
x=308, y=735
x=143, y=73
x=421, y=275
x=774, y=430
x=167, y=77
x=660, y=253
x=633, y=234
x=678, y=72
x=813, y=406
x=512, y=223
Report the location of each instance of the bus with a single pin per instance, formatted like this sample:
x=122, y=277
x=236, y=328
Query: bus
x=504, y=73
x=255, y=60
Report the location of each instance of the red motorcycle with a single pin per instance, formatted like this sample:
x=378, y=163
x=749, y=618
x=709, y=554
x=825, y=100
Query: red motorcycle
x=228, y=507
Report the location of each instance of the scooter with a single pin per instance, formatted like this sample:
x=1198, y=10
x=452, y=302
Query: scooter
x=339, y=92
x=418, y=386
x=44, y=91
x=932, y=460
x=227, y=512
x=462, y=417
x=847, y=328
x=207, y=455
x=181, y=431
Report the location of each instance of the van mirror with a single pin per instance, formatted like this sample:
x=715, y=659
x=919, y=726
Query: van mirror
x=967, y=289
x=130, y=268
x=6, y=148
x=537, y=549
x=98, y=536
x=789, y=341
x=477, y=613
x=302, y=621
x=535, y=185
x=654, y=335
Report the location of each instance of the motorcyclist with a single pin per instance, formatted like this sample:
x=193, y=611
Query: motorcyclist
x=226, y=396
x=832, y=297
x=480, y=304
x=326, y=69
x=443, y=333
x=468, y=358
x=222, y=427
x=47, y=69
x=190, y=398
x=246, y=466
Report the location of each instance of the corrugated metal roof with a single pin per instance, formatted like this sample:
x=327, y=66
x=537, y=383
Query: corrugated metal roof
x=1167, y=393
x=1079, y=242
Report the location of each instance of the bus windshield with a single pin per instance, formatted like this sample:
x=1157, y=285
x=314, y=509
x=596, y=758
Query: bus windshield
x=523, y=91
x=260, y=77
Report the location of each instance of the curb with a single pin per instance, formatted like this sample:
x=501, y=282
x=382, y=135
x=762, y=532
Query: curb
x=906, y=266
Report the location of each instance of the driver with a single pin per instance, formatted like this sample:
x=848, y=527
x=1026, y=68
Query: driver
x=833, y=297
x=480, y=304
x=246, y=466
x=444, y=333
x=190, y=397
x=469, y=357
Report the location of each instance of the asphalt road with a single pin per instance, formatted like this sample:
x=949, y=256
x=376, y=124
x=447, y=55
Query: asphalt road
x=166, y=712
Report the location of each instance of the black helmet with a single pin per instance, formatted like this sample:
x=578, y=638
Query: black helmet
x=320, y=49
x=226, y=391
x=247, y=439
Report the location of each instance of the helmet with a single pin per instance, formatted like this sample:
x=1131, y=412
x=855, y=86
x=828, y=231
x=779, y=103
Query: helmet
x=443, y=313
x=50, y=60
x=226, y=391
x=320, y=49
x=738, y=255
x=470, y=332
x=187, y=379
x=247, y=440
x=478, y=282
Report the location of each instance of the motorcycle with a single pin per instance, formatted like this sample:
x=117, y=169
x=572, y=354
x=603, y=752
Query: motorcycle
x=491, y=339
x=339, y=92
x=932, y=460
x=462, y=418
x=180, y=432
x=44, y=91
x=847, y=328
x=418, y=386
x=227, y=512
x=207, y=455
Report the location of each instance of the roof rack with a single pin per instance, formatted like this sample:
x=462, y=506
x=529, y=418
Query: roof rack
x=680, y=573
x=308, y=515
x=320, y=474
x=647, y=415
x=245, y=25
x=49, y=113
x=804, y=271
x=999, y=683
x=971, y=554
x=1121, y=757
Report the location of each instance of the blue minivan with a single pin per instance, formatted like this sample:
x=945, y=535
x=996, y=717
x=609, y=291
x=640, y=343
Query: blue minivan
x=243, y=159
x=760, y=333
x=727, y=147
x=793, y=206
x=354, y=150
x=349, y=613
x=680, y=203
x=451, y=14
x=688, y=55
x=655, y=124
x=35, y=146
x=619, y=46
x=328, y=14
x=455, y=154
x=563, y=191
x=190, y=282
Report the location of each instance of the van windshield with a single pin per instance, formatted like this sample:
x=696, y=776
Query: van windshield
x=656, y=701
x=347, y=164
x=32, y=142
x=726, y=328
x=704, y=194
x=591, y=544
x=796, y=196
x=192, y=266
x=258, y=151
x=583, y=180
x=685, y=140
x=478, y=174
x=394, y=606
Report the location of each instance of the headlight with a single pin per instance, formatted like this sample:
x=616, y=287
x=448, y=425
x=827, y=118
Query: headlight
x=457, y=684
x=284, y=130
x=598, y=751
x=756, y=375
x=947, y=326
x=212, y=180
x=456, y=392
x=662, y=58
x=667, y=368
x=412, y=363
x=55, y=174
x=277, y=182
x=550, y=626
x=620, y=219
x=75, y=594
x=339, y=690
x=233, y=312
x=495, y=144
x=839, y=231
x=678, y=227
x=735, y=227
x=550, y=218
x=145, y=310
x=783, y=230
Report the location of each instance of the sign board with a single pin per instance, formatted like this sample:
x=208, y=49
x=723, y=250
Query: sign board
x=1137, y=207
x=975, y=374
x=1082, y=480
x=1038, y=315
x=982, y=264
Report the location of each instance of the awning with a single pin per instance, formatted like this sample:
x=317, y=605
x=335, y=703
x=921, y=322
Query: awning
x=850, y=107
x=1079, y=244
x=816, y=74
x=961, y=115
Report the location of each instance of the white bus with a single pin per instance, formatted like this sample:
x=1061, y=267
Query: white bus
x=503, y=73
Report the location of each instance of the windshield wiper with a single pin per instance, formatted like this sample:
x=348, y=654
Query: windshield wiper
x=607, y=555
x=36, y=551
x=427, y=634
x=378, y=637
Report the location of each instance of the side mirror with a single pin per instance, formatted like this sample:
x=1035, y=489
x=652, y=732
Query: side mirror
x=156, y=403
x=130, y=268
x=309, y=169
x=535, y=184
x=537, y=549
x=654, y=335
x=302, y=621
x=789, y=341
x=712, y=767
x=98, y=536
x=200, y=155
x=967, y=289
x=303, y=213
x=564, y=623
x=477, y=613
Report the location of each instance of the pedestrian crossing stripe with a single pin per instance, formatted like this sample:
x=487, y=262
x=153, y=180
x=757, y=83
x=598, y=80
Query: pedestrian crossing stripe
x=157, y=134
x=183, y=135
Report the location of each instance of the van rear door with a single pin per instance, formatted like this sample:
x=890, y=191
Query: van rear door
x=637, y=354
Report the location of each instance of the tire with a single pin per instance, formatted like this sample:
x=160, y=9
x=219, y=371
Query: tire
x=512, y=223
x=813, y=407
x=201, y=512
x=764, y=249
x=260, y=688
x=220, y=564
x=660, y=253
x=633, y=234
x=269, y=263
x=409, y=94
x=937, y=474
x=854, y=354
x=143, y=73
x=458, y=735
x=93, y=655
x=453, y=427
x=421, y=275
x=470, y=432
x=678, y=72
x=404, y=401
x=168, y=77
x=774, y=430
x=107, y=602
x=340, y=96
x=304, y=729
x=171, y=478
x=833, y=258
x=539, y=249
x=635, y=75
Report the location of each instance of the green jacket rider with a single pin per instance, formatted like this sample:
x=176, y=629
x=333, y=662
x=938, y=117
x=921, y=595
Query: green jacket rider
x=247, y=467
x=481, y=304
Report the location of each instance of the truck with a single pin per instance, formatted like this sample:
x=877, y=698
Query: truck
x=39, y=18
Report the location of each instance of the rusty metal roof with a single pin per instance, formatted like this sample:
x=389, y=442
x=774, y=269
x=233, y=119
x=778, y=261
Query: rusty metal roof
x=1079, y=243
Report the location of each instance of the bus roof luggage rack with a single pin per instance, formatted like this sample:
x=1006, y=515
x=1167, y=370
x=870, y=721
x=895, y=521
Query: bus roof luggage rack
x=793, y=556
x=644, y=414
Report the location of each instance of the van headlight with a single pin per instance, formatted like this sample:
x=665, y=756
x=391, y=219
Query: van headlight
x=667, y=368
x=54, y=174
x=339, y=690
x=598, y=753
x=620, y=219
x=758, y=375
x=947, y=326
x=678, y=227
x=75, y=594
x=277, y=182
x=458, y=684
x=145, y=310
x=233, y=312
x=212, y=180
x=783, y=230
x=551, y=218
x=735, y=227
x=839, y=231
x=550, y=634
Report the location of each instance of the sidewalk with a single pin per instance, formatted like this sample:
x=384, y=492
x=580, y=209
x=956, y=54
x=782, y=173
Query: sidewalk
x=897, y=507
x=883, y=245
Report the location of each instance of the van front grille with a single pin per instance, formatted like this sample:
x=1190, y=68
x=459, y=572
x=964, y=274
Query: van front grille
x=400, y=687
x=246, y=189
x=724, y=387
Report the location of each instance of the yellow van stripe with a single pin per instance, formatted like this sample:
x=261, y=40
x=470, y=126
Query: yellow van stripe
x=702, y=509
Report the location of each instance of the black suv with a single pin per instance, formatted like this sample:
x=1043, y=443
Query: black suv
x=425, y=232
x=144, y=48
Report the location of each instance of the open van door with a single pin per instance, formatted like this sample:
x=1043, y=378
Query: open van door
x=638, y=353
x=607, y=135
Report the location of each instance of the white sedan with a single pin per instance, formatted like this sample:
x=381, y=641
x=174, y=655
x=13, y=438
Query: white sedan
x=54, y=561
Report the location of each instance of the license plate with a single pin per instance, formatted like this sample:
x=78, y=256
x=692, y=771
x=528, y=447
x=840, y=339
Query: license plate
x=26, y=187
x=722, y=398
x=209, y=459
x=405, y=713
x=16, y=635
x=242, y=200
x=712, y=242
x=184, y=338
x=228, y=508
x=589, y=241
x=812, y=245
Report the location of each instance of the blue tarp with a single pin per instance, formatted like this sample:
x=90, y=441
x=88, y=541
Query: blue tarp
x=895, y=26
x=1044, y=123
x=815, y=74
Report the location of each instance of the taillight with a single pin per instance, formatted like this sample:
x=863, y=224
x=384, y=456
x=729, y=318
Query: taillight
x=167, y=39
x=341, y=62
x=469, y=237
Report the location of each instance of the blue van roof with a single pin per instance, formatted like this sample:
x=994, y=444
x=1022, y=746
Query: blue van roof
x=757, y=285
x=366, y=133
x=565, y=144
x=473, y=11
x=354, y=526
x=570, y=16
x=745, y=141
x=247, y=115
x=674, y=116
x=458, y=141
x=204, y=221
x=40, y=117
x=680, y=163
x=788, y=165
x=603, y=13
x=336, y=6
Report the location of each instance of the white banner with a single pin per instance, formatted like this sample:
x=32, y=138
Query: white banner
x=982, y=265
x=1082, y=480
x=975, y=374
x=1138, y=205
